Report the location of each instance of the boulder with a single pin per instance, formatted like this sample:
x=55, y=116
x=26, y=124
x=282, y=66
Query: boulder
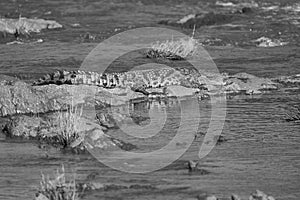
x=21, y=98
x=23, y=126
x=24, y=25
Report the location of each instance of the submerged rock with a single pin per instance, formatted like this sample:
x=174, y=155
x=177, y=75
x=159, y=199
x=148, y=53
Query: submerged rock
x=250, y=84
x=206, y=197
x=199, y=20
x=259, y=195
x=211, y=18
x=267, y=42
x=24, y=25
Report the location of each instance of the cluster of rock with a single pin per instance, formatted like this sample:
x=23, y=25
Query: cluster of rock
x=293, y=80
x=258, y=195
x=267, y=42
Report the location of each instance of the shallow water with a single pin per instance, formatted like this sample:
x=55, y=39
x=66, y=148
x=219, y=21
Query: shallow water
x=262, y=151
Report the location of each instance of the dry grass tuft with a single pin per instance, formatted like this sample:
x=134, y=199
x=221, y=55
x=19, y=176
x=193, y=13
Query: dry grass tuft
x=174, y=50
x=65, y=127
x=58, y=188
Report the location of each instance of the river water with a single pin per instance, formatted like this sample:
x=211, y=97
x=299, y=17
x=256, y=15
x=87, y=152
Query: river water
x=262, y=150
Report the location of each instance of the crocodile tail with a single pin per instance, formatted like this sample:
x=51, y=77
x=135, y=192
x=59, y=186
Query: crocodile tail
x=59, y=77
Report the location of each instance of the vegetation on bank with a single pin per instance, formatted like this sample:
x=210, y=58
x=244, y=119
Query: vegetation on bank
x=174, y=49
x=57, y=188
x=66, y=127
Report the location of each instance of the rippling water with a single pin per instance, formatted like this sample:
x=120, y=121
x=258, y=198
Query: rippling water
x=262, y=151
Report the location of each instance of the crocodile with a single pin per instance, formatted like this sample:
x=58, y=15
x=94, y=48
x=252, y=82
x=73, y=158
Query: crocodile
x=137, y=80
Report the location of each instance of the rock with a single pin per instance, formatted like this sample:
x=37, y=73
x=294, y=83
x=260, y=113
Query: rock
x=211, y=18
x=220, y=139
x=46, y=129
x=113, y=117
x=116, y=96
x=7, y=80
x=211, y=198
x=40, y=196
x=192, y=165
x=114, y=187
x=22, y=98
x=235, y=197
x=206, y=197
x=194, y=168
x=186, y=18
x=17, y=97
x=25, y=26
x=23, y=126
x=138, y=186
x=199, y=20
x=180, y=91
x=96, y=186
x=246, y=10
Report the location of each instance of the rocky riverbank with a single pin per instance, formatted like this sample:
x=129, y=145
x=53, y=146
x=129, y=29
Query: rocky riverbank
x=38, y=112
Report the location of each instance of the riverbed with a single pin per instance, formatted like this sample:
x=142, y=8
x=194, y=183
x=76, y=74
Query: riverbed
x=262, y=149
